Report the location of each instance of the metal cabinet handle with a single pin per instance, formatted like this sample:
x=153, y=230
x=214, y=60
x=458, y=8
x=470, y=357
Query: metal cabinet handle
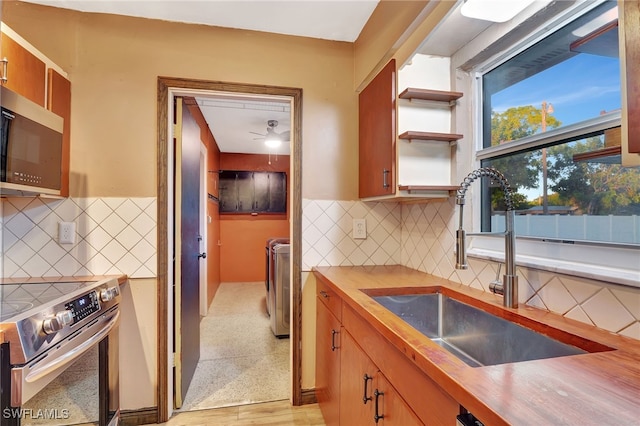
x=385, y=174
x=203, y=255
x=366, y=398
x=377, y=416
x=333, y=340
x=5, y=70
x=324, y=294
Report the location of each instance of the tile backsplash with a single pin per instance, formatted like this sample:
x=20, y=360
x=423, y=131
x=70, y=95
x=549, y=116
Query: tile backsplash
x=327, y=233
x=118, y=235
x=113, y=235
x=422, y=236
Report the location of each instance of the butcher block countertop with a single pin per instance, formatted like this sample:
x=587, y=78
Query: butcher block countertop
x=599, y=388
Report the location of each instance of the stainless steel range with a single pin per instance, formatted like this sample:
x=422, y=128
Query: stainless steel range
x=49, y=325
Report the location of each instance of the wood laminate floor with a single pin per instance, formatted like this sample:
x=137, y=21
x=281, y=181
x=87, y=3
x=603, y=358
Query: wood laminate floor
x=268, y=413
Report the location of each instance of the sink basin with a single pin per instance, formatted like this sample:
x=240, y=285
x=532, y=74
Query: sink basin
x=476, y=337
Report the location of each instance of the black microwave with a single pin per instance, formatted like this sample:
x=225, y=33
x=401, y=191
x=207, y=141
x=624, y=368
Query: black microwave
x=30, y=147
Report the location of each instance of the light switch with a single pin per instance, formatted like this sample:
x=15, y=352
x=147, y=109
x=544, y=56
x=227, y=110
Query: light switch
x=359, y=229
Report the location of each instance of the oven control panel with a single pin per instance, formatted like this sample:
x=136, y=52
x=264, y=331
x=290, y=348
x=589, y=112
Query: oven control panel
x=83, y=306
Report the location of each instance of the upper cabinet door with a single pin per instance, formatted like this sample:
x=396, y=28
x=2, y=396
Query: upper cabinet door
x=25, y=73
x=377, y=134
x=629, y=37
x=59, y=102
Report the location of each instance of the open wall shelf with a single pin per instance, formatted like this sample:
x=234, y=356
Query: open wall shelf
x=430, y=136
x=430, y=95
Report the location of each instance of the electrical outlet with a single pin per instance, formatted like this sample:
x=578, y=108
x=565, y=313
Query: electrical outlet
x=359, y=229
x=66, y=232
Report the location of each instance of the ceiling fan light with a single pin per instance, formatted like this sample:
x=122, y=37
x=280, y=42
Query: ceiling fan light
x=493, y=10
x=272, y=141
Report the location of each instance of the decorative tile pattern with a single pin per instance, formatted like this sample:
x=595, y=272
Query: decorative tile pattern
x=113, y=235
x=327, y=233
x=118, y=235
x=427, y=244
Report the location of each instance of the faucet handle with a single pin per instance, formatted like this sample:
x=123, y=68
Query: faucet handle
x=496, y=285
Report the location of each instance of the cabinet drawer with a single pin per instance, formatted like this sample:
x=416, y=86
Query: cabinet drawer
x=329, y=298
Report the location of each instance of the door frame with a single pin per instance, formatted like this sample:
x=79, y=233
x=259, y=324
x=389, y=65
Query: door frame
x=167, y=87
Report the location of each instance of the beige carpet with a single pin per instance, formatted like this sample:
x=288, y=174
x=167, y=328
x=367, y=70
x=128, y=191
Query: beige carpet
x=241, y=361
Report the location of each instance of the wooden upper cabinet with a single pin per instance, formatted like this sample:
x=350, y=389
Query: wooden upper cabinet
x=629, y=37
x=59, y=102
x=377, y=134
x=25, y=73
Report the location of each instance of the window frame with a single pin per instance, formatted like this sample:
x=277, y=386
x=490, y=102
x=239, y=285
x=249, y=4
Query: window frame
x=610, y=262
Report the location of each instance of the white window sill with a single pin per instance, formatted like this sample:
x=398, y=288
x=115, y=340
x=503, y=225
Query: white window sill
x=618, y=265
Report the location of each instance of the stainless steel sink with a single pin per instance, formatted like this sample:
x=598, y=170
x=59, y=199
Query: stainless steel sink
x=476, y=337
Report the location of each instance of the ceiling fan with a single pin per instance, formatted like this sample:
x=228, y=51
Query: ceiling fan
x=272, y=138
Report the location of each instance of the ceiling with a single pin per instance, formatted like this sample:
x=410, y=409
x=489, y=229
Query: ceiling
x=235, y=120
x=232, y=119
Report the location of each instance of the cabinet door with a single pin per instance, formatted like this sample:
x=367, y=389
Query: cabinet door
x=246, y=191
x=629, y=38
x=26, y=74
x=390, y=408
x=377, y=134
x=59, y=102
x=328, y=330
x=356, y=384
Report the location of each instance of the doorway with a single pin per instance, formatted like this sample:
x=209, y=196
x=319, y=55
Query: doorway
x=167, y=89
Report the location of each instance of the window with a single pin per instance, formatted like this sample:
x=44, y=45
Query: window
x=551, y=124
x=551, y=117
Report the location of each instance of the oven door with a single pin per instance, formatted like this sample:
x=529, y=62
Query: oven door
x=29, y=379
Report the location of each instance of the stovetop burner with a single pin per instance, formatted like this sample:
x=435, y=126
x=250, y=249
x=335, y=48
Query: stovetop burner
x=9, y=309
x=18, y=298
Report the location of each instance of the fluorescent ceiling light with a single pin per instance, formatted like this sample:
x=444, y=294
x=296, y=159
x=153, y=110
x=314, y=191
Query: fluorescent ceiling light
x=493, y=10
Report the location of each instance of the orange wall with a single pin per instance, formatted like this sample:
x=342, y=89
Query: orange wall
x=243, y=237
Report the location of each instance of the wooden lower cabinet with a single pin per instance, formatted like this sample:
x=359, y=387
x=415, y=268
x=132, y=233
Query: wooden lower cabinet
x=328, y=349
x=366, y=396
x=355, y=365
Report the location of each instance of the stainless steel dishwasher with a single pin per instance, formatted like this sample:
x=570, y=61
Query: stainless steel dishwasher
x=279, y=291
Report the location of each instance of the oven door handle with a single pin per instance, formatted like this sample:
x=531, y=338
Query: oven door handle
x=40, y=372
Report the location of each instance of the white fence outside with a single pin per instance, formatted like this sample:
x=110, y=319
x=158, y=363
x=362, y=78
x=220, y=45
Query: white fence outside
x=614, y=229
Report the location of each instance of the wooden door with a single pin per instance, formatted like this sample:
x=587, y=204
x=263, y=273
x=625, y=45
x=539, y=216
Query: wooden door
x=187, y=242
x=377, y=134
x=328, y=347
x=357, y=383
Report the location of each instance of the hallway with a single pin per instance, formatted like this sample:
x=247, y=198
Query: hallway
x=241, y=361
